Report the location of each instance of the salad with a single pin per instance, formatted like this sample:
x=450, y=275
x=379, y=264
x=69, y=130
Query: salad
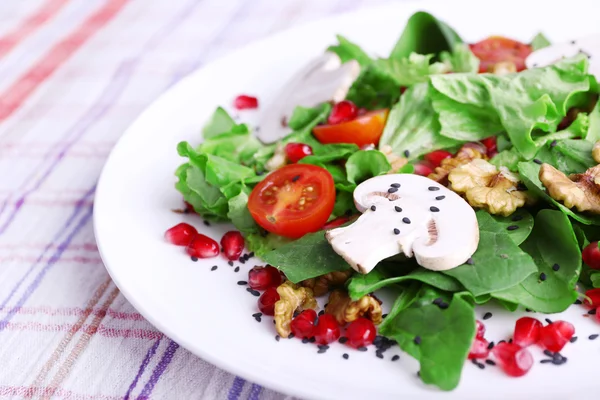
x=450, y=175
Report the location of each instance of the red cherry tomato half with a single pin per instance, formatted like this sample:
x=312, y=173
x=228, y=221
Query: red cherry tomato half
x=362, y=130
x=293, y=200
x=497, y=49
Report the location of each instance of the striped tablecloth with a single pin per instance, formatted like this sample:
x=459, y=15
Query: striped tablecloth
x=73, y=75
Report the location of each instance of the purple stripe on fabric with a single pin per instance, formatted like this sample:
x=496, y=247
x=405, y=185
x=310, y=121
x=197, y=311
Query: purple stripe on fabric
x=159, y=370
x=151, y=352
x=109, y=96
x=40, y=276
x=236, y=388
x=255, y=392
x=78, y=207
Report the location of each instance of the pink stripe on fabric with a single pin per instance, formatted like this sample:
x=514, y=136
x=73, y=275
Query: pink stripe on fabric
x=16, y=94
x=102, y=330
x=29, y=391
x=73, y=260
x=29, y=25
x=72, y=312
x=43, y=246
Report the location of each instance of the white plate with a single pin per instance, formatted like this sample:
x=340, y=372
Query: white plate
x=207, y=312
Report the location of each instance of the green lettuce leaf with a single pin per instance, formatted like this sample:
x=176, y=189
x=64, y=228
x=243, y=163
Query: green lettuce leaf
x=237, y=145
x=365, y=164
x=346, y=51
x=539, y=42
x=409, y=71
x=461, y=59
x=219, y=122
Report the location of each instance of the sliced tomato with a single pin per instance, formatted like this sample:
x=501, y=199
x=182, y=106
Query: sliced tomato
x=497, y=49
x=363, y=130
x=293, y=200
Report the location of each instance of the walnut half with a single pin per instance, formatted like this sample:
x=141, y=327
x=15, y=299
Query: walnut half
x=291, y=298
x=580, y=191
x=465, y=155
x=485, y=186
x=345, y=310
x=322, y=284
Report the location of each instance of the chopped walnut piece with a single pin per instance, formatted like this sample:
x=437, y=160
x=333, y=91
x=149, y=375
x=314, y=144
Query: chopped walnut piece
x=489, y=188
x=396, y=161
x=580, y=191
x=278, y=160
x=465, y=155
x=345, y=310
x=322, y=284
x=503, y=68
x=292, y=298
x=596, y=152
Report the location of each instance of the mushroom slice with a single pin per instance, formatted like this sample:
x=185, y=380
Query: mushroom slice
x=411, y=215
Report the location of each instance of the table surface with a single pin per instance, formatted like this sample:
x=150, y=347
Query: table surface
x=73, y=75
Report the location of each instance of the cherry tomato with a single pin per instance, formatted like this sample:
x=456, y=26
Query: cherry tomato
x=293, y=200
x=362, y=130
x=497, y=49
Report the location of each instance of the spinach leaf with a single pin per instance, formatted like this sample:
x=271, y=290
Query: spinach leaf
x=498, y=262
x=446, y=337
x=521, y=219
x=405, y=299
x=308, y=257
x=579, y=151
x=219, y=122
x=412, y=125
x=346, y=51
x=344, y=204
x=265, y=243
x=361, y=285
x=539, y=42
x=365, y=164
x=330, y=152
x=461, y=59
x=239, y=215
x=551, y=242
x=425, y=34
x=593, y=132
x=529, y=173
x=373, y=89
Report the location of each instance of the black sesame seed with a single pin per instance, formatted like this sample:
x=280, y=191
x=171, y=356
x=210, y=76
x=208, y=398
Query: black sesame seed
x=237, y=269
x=440, y=197
x=535, y=160
x=321, y=312
x=417, y=340
x=251, y=254
x=258, y=319
x=443, y=305
x=296, y=313
x=487, y=315
x=474, y=361
x=343, y=339
x=433, y=188
x=277, y=337
x=578, y=302
x=396, y=357
x=501, y=341
x=548, y=320
x=395, y=185
x=535, y=65
x=346, y=356
x=593, y=337
x=419, y=374
x=378, y=354
x=253, y=292
x=194, y=259
x=548, y=353
x=470, y=261
x=573, y=339
x=406, y=153
x=373, y=208
x=490, y=362
x=559, y=361
x=396, y=231
x=573, y=41
x=480, y=365
x=512, y=228
x=363, y=348
x=528, y=310
x=592, y=311
x=305, y=340
x=323, y=346
x=230, y=263
x=553, y=143
x=438, y=301
x=384, y=315
x=517, y=218
x=491, y=345
x=291, y=335
x=542, y=276
x=546, y=361
x=206, y=223
x=521, y=187
x=434, y=209
x=398, y=209
x=510, y=340
x=294, y=179
x=406, y=220
x=312, y=339
x=214, y=267
x=392, y=190
x=555, y=267
x=241, y=283
x=258, y=314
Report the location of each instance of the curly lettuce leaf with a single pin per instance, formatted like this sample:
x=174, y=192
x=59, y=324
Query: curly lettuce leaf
x=347, y=51
x=219, y=122
x=539, y=42
x=461, y=59
x=365, y=164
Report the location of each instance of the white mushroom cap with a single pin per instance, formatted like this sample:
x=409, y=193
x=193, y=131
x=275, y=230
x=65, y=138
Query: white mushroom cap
x=323, y=79
x=408, y=214
x=590, y=45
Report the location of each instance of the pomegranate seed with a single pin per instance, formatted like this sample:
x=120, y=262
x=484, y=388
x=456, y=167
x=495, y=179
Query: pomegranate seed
x=266, y=301
x=303, y=325
x=203, y=247
x=181, y=234
x=479, y=348
x=327, y=329
x=480, y=329
x=527, y=331
x=342, y=112
x=593, y=298
x=597, y=313
x=514, y=360
x=262, y=278
x=490, y=145
x=360, y=332
x=297, y=151
x=233, y=244
x=423, y=168
x=403, y=89
x=554, y=336
x=189, y=208
x=591, y=255
x=243, y=102
x=435, y=157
